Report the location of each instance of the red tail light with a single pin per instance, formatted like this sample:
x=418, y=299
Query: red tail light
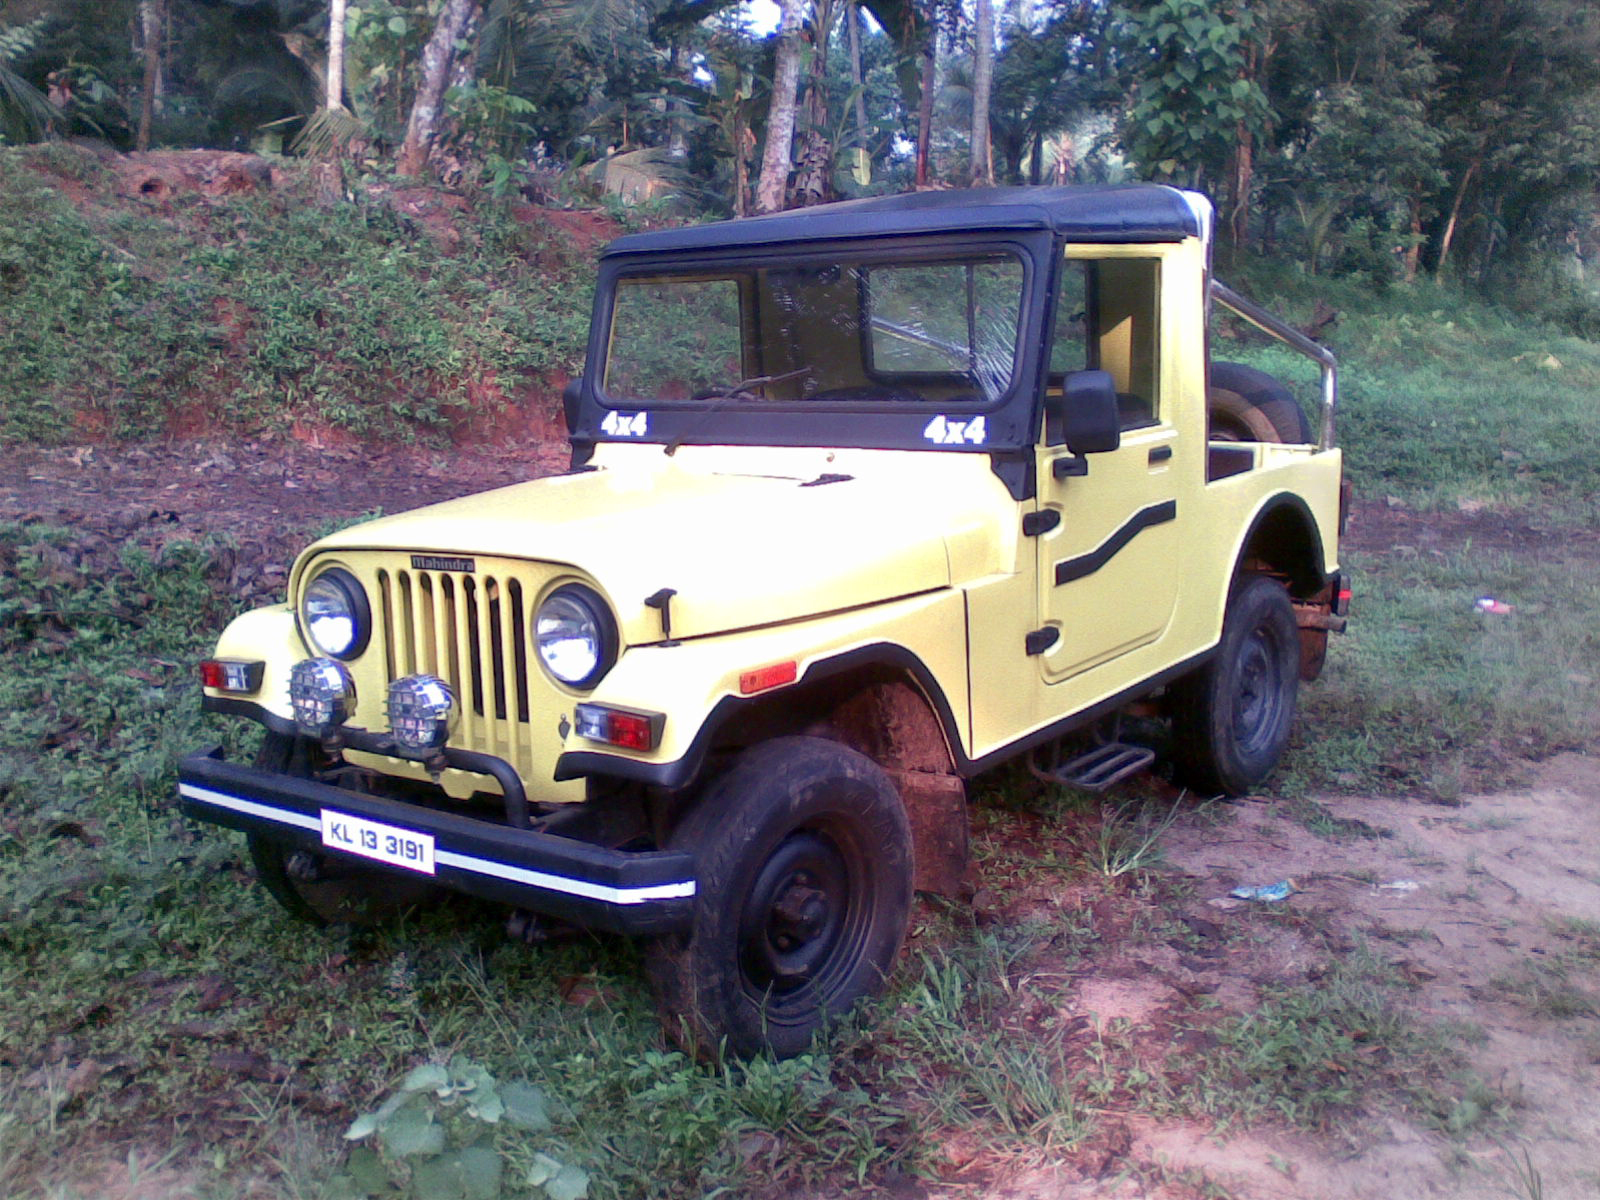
x=630, y=729
x=231, y=674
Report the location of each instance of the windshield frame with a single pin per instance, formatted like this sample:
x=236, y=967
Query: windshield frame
x=885, y=423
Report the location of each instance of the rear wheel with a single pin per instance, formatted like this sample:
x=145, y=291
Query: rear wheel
x=1247, y=405
x=320, y=888
x=803, y=892
x=1231, y=718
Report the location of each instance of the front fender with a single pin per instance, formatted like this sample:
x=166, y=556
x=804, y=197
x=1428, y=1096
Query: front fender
x=270, y=635
x=696, y=683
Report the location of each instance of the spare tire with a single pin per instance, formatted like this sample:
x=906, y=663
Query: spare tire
x=1247, y=405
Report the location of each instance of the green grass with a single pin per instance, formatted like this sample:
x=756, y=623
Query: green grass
x=152, y=994
x=1446, y=398
x=256, y=311
x=1426, y=694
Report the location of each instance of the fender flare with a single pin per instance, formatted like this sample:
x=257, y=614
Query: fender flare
x=1304, y=581
x=681, y=772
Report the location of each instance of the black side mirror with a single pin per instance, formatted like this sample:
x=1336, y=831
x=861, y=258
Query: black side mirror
x=571, y=397
x=1085, y=418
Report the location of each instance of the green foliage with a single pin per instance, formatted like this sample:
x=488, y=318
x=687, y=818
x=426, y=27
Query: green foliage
x=1192, y=93
x=435, y=1138
x=261, y=311
x=26, y=115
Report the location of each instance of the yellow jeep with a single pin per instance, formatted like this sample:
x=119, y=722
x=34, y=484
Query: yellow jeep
x=864, y=501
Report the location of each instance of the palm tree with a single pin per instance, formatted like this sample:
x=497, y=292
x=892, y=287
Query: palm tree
x=26, y=114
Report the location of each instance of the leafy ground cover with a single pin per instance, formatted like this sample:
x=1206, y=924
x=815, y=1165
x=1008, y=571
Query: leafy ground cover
x=162, y=1021
x=1093, y=1020
x=394, y=316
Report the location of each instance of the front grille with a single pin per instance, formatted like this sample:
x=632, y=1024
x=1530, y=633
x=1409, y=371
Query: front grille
x=471, y=630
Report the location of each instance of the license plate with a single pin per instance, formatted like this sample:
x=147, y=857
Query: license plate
x=373, y=839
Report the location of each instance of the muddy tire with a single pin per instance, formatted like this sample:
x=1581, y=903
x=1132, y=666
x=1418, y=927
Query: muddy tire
x=803, y=864
x=324, y=890
x=1231, y=718
x=1247, y=405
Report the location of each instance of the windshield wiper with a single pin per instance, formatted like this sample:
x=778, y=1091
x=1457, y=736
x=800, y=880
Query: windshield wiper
x=721, y=399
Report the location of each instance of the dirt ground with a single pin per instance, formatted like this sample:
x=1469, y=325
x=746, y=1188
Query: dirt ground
x=1477, y=901
x=1471, y=901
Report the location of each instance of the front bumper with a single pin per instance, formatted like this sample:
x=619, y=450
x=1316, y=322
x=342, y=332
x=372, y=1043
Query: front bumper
x=631, y=892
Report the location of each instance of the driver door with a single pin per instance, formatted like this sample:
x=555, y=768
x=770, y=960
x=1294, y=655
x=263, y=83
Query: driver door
x=1108, y=550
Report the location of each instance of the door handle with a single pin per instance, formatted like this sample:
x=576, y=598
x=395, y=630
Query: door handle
x=1160, y=454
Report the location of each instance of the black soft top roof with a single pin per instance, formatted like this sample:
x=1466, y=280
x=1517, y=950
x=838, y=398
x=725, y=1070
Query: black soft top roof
x=1131, y=213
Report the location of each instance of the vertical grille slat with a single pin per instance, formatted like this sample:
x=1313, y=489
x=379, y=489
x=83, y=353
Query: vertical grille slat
x=508, y=659
x=470, y=629
x=485, y=652
x=461, y=681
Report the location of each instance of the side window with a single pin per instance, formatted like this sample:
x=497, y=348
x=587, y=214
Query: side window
x=1108, y=319
x=673, y=338
x=946, y=319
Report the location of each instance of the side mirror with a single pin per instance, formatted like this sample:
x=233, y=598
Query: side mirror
x=1085, y=417
x=571, y=397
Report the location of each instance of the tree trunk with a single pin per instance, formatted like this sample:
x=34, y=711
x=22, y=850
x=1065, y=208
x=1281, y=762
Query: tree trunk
x=813, y=168
x=930, y=55
x=775, y=157
x=982, y=79
x=1414, y=249
x=1239, y=185
x=683, y=72
x=423, y=126
x=1455, y=212
x=853, y=15
x=464, y=67
x=335, y=94
x=151, y=19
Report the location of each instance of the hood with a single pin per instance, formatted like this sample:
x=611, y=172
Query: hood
x=745, y=538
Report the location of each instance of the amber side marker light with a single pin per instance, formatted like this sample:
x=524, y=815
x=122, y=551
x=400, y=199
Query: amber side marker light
x=763, y=678
x=231, y=674
x=630, y=729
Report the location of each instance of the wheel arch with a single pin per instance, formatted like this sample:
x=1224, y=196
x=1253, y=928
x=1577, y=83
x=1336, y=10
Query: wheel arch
x=1283, y=539
x=880, y=699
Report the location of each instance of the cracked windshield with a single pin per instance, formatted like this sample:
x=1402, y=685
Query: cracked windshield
x=941, y=331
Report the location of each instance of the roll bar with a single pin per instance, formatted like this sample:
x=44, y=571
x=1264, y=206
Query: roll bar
x=1295, y=340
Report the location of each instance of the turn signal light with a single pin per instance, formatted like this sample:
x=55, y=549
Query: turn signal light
x=763, y=678
x=628, y=728
x=231, y=674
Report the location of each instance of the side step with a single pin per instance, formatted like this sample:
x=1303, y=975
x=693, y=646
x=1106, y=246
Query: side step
x=1098, y=769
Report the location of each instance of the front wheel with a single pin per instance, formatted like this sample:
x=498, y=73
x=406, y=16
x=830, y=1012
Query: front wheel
x=803, y=893
x=323, y=889
x=1231, y=718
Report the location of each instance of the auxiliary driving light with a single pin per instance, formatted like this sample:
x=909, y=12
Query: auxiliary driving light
x=421, y=708
x=323, y=695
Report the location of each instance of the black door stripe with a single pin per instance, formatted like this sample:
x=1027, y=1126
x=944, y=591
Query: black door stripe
x=1069, y=569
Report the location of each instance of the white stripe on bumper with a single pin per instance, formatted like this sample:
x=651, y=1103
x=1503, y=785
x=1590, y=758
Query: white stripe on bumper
x=461, y=862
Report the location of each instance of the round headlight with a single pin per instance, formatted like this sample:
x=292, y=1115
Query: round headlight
x=574, y=636
x=337, y=618
x=421, y=708
x=322, y=694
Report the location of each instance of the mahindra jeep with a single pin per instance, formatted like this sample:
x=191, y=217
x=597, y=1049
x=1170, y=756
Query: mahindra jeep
x=864, y=501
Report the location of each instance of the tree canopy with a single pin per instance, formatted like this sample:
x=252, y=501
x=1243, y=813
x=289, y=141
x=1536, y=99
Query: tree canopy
x=1380, y=137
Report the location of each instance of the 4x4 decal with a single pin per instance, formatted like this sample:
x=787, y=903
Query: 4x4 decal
x=942, y=431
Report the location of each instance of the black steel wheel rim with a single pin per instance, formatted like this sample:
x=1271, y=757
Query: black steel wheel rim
x=1258, y=693
x=803, y=925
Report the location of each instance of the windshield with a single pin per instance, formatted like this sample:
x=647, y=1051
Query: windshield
x=936, y=330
